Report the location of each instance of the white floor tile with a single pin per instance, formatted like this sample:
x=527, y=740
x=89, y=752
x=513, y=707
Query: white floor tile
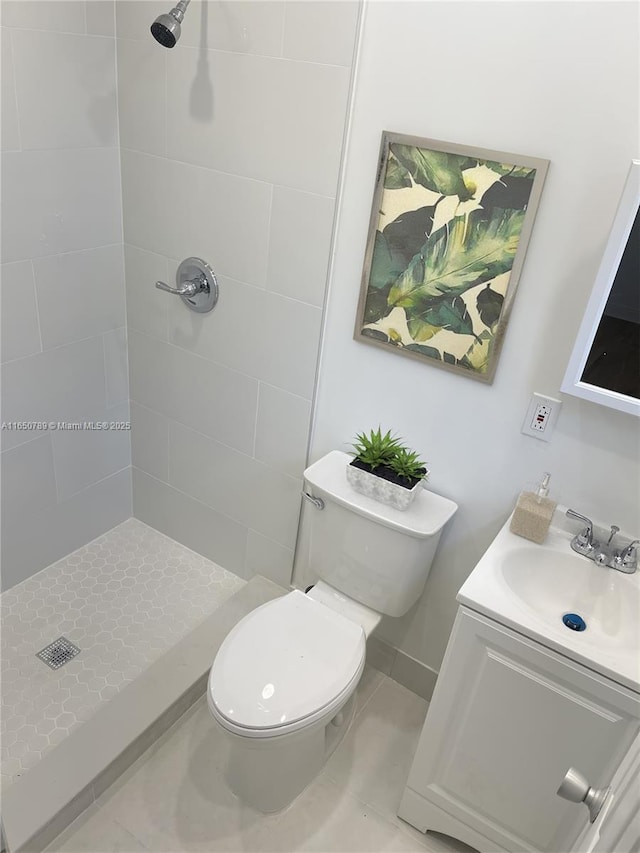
x=93, y=831
x=175, y=798
x=373, y=761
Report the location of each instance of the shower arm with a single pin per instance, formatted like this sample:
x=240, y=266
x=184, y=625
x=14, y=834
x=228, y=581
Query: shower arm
x=179, y=10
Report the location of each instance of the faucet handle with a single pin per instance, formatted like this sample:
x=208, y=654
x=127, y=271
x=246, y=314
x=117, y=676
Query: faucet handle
x=627, y=559
x=585, y=537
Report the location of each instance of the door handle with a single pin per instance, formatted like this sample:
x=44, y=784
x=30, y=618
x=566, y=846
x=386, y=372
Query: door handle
x=575, y=788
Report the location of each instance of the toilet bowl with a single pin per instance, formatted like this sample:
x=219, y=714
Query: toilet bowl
x=282, y=685
x=281, y=688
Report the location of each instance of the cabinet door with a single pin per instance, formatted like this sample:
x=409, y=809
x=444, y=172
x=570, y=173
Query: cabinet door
x=508, y=717
x=617, y=827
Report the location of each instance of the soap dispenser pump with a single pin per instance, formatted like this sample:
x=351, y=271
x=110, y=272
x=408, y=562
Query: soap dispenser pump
x=533, y=512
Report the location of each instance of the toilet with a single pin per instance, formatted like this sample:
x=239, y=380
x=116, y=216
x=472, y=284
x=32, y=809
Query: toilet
x=282, y=684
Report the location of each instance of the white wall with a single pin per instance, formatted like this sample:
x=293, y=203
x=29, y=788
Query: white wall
x=63, y=304
x=552, y=80
x=231, y=147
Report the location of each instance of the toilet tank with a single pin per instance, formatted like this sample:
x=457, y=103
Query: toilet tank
x=370, y=551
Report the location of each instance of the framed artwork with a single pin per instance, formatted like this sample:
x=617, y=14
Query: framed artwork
x=447, y=237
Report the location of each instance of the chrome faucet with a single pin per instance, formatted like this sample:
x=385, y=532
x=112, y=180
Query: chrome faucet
x=604, y=553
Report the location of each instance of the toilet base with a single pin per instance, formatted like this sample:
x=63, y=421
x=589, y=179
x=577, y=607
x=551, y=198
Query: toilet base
x=269, y=773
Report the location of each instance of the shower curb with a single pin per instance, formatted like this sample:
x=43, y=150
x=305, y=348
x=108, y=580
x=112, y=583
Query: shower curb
x=38, y=806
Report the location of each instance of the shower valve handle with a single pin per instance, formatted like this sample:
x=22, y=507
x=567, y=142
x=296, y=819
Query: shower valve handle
x=196, y=285
x=187, y=288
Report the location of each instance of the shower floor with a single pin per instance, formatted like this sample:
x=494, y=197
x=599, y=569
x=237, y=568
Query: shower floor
x=124, y=599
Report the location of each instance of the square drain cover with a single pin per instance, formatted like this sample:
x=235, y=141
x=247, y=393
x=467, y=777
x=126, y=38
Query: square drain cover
x=58, y=653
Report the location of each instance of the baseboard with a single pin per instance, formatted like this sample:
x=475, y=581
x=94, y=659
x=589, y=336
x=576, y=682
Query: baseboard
x=401, y=667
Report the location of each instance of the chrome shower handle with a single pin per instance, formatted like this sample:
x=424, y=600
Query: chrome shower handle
x=196, y=285
x=187, y=288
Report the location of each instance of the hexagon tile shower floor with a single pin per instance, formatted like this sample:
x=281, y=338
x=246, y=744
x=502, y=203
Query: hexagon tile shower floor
x=124, y=600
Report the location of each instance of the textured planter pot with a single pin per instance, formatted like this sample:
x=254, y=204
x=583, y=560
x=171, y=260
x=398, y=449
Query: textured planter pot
x=382, y=490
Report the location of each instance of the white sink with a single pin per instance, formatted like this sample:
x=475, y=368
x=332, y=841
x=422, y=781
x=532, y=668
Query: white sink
x=531, y=587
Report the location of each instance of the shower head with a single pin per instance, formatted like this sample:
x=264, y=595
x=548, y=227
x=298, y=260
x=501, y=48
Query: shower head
x=166, y=28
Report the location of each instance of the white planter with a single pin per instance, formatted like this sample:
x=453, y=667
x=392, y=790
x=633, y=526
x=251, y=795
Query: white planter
x=382, y=490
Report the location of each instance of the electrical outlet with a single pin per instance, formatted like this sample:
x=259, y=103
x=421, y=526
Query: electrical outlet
x=541, y=416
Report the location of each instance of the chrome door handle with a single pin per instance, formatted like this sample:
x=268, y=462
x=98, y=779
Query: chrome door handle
x=575, y=788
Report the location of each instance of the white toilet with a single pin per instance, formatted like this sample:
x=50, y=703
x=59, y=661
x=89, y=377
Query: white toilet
x=282, y=684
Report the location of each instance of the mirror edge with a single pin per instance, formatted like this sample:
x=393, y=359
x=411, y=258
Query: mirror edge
x=616, y=243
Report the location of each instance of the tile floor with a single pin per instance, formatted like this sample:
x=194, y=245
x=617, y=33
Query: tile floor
x=174, y=800
x=125, y=599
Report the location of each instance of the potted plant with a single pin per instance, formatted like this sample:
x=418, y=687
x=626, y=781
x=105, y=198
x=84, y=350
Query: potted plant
x=385, y=470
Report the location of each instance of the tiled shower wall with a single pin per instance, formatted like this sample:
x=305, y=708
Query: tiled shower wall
x=63, y=301
x=231, y=146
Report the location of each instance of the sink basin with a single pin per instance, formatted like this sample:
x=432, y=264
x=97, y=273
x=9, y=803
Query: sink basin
x=551, y=584
x=530, y=587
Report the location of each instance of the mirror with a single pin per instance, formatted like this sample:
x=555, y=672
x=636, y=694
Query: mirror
x=605, y=363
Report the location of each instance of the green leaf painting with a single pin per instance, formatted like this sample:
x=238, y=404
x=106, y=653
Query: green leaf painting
x=435, y=170
x=447, y=233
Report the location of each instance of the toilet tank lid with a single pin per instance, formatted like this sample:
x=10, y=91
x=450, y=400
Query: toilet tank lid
x=426, y=516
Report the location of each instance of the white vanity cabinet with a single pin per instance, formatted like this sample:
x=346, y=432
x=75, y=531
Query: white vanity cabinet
x=508, y=718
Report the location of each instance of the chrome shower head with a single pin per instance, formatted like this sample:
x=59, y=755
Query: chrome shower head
x=166, y=28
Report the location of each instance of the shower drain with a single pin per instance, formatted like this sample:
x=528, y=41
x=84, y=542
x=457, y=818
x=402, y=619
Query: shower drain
x=58, y=653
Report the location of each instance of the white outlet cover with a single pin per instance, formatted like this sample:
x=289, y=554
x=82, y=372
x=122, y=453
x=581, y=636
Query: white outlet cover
x=553, y=405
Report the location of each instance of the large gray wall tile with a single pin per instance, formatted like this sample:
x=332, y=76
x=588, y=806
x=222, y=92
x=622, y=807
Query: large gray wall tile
x=64, y=384
x=44, y=536
x=101, y=17
x=59, y=201
x=269, y=559
x=320, y=31
x=9, y=128
x=18, y=311
x=277, y=118
x=116, y=367
x=179, y=210
x=73, y=104
x=233, y=483
x=189, y=521
x=142, y=99
x=282, y=429
x=64, y=16
x=253, y=26
x=262, y=334
x=28, y=479
x=196, y=392
x=86, y=456
x=147, y=307
x=301, y=226
x=150, y=442
x=80, y=294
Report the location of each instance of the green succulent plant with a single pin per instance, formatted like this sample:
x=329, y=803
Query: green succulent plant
x=375, y=449
x=407, y=464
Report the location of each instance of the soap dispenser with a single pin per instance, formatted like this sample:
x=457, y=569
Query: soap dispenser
x=534, y=512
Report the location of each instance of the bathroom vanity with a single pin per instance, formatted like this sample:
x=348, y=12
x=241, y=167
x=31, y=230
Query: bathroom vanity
x=521, y=698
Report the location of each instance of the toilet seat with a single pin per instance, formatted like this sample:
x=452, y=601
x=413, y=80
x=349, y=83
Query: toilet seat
x=285, y=665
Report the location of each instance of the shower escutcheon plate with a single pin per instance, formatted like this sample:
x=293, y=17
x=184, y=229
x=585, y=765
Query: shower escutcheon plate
x=196, y=285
